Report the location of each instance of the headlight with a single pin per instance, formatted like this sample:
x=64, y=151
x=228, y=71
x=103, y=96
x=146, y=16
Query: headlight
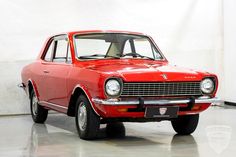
x=113, y=87
x=207, y=86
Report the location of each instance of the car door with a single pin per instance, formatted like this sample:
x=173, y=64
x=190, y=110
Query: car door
x=40, y=69
x=57, y=72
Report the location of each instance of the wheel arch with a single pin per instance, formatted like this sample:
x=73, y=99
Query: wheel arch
x=77, y=91
x=32, y=87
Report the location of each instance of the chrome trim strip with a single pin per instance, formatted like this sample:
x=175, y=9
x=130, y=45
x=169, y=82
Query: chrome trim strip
x=155, y=102
x=51, y=104
x=163, y=58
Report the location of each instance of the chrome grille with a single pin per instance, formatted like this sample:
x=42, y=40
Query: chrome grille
x=161, y=89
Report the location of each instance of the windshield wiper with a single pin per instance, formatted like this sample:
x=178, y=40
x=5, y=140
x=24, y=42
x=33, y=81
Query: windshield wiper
x=136, y=55
x=97, y=55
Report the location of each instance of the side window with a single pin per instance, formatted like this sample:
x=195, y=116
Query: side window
x=143, y=47
x=61, y=51
x=49, y=52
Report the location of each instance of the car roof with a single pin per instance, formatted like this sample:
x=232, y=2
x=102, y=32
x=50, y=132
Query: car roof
x=103, y=31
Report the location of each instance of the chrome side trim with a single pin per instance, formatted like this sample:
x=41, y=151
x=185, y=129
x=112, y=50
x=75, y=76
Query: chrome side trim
x=52, y=104
x=155, y=102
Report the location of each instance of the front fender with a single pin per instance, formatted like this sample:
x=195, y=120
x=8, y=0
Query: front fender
x=88, y=95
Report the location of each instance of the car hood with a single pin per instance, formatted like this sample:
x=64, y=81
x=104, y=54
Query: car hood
x=145, y=71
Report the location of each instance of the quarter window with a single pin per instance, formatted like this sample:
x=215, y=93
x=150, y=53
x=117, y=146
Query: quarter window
x=62, y=51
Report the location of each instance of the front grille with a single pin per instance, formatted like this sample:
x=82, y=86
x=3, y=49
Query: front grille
x=161, y=89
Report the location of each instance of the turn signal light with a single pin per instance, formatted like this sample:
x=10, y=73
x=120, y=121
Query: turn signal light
x=196, y=107
x=122, y=109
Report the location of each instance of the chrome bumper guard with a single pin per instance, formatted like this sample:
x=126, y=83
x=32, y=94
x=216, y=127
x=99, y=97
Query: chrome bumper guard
x=160, y=102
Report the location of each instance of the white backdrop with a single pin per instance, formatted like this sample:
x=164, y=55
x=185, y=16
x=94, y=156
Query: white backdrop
x=189, y=32
x=229, y=58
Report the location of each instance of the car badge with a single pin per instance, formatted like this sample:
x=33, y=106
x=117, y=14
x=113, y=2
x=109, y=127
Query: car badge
x=164, y=76
x=162, y=110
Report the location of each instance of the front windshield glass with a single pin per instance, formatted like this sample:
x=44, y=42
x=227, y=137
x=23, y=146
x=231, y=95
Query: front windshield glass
x=115, y=45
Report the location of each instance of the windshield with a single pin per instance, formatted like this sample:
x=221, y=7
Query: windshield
x=115, y=45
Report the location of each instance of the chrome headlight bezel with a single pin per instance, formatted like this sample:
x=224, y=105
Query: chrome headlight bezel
x=113, y=83
x=207, y=86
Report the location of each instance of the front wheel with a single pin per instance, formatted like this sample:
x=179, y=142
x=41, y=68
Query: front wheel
x=115, y=130
x=87, y=121
x=39, y=113
x=185, y=125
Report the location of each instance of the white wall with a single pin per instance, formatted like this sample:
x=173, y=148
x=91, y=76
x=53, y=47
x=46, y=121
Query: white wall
x=230, y=50
x=189, y=32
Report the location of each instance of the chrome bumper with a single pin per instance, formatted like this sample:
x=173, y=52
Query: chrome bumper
x=200, y=100
x=21, y=85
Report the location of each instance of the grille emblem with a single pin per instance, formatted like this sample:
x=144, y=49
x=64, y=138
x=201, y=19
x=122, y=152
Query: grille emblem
x=164, y=76
x=162, y=110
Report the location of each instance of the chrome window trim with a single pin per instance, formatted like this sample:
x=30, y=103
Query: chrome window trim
x=66, y=38
x=52, y=41
x=148, y=37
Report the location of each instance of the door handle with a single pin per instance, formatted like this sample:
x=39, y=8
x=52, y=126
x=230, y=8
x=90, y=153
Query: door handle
x=45, y=71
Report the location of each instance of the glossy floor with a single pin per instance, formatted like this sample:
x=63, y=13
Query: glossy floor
x=215, y=136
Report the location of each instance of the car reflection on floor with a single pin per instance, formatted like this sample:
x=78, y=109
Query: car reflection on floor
x=58, y=138
x=43, y=142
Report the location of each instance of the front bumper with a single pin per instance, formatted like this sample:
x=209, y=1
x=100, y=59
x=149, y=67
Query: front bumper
x=157, y=102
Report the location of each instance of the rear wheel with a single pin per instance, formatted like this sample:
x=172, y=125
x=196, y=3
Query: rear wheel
x=87, y=121
x=39, y=113
x=185, y=125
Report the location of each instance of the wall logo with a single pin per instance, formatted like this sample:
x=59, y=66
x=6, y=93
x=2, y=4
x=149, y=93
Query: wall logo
x=162, y=110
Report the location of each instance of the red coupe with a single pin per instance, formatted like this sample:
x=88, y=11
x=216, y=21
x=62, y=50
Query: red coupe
x=112, y=77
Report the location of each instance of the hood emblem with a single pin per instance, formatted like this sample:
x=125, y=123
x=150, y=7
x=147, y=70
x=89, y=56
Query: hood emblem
x=164, y=76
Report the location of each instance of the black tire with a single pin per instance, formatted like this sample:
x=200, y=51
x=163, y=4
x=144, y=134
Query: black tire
x=41, y=115
x=115, y=130
x=185, y=125
x=91, y=126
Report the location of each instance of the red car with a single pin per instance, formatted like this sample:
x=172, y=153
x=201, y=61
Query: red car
x=114, y=76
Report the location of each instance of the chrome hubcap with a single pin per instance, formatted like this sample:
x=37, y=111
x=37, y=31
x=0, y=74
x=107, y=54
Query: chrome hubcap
x=82, y=115
x=35, y=105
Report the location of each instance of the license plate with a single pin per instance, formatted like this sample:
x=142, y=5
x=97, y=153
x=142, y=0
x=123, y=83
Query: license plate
x=161, y=112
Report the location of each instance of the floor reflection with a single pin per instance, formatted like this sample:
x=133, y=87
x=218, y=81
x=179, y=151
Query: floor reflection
x=44, y=143
x=215, y=136
x=112, y=140
x=185, y=145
